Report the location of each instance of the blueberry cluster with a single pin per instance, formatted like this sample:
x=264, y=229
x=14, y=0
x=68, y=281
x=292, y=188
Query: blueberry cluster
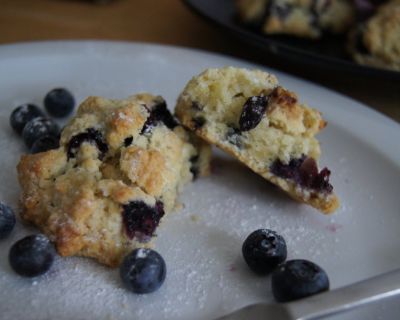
x=41, y=133
x=34, y=255
x=265, y=252
x=31, y=256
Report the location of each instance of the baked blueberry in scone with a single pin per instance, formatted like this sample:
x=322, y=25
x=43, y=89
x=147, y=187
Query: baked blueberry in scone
x=376, y=41
x=116, y=174
x=249, y=115
x=302, y=18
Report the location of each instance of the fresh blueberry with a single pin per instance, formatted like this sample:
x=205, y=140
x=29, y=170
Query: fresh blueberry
x=91, y=135
x=141, y=220
x=38, y=128
x=264, y=250
x=32, y=255
x=44, y=144
x=143, y=271
x=7, y=220
x=59, y=102
x=296, y=279
x=22, y=115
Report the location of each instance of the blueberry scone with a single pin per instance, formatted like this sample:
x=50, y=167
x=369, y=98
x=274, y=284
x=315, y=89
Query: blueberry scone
x=376, y=42
x=117, y=172
x=302, y=18
x=249, y=115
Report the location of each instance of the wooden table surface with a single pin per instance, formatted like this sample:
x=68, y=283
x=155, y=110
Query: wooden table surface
x=168, y=22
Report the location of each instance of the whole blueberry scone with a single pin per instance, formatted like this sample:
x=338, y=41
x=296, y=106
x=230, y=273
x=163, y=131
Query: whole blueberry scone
x=302, y=18
x=247, y=114
x=376, y=42
x=117, y=172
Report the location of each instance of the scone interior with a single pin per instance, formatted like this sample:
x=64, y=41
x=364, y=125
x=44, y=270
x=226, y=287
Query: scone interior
x=246, y=113
x=119, y=168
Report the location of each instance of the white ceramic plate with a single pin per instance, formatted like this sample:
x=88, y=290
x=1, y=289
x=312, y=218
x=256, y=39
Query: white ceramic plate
x=206, y=274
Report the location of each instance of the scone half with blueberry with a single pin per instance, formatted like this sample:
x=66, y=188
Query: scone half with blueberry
x=250, y=116
x=117, y=172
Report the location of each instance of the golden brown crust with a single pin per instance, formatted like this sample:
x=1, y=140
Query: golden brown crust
x=145, y=168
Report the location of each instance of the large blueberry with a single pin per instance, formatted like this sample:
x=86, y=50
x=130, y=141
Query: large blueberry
x=38, y=128
x=59, y=102
x=143, y=271
x=32, y=255
x=296, y=279
x=22, y=115
x=264, y=250
x=7, y=220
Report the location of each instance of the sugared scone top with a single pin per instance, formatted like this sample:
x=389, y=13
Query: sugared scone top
x=302, y=18
x=249, y=115
x=119, y=168
x=376, y=42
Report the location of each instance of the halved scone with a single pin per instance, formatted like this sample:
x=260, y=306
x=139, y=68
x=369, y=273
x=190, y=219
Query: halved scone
x=249, y=115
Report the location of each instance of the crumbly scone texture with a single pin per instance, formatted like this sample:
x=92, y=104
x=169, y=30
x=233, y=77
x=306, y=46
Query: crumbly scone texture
x=212, y=105
x=301, y=18
x=376, y=42
x=119, y=168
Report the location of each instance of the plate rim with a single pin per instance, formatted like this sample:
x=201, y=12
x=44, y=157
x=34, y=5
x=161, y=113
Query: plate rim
x=61, y=44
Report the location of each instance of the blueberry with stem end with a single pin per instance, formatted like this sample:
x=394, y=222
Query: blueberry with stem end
x=263, y=250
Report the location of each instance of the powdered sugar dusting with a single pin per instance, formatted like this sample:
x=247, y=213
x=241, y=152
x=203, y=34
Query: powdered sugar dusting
x=230, y=204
